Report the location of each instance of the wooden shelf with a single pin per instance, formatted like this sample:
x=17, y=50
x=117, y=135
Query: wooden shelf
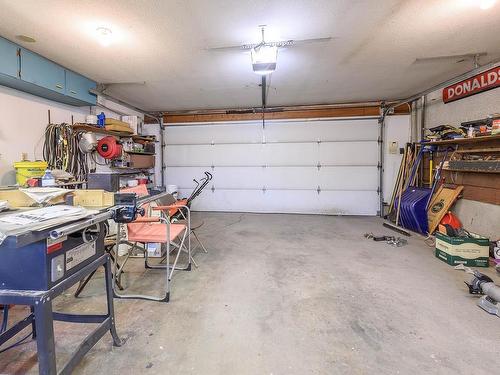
x=469, y=171
x=479, y=151
x=140, y=153
x=97, y=130
x=458, y=141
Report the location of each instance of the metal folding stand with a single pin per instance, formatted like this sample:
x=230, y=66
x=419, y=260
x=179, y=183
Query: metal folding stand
x=170, y=268
x=42, y=317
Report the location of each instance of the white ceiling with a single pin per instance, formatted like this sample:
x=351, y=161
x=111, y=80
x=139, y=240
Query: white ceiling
x=163, y=43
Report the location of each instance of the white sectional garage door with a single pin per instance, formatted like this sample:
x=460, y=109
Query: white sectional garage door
x=327, y=167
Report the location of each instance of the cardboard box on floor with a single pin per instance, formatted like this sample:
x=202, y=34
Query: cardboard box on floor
x=472, y=252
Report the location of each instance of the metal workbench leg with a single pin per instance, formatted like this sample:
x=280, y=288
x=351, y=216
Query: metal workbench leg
x=33, y=325
x=83, y=283
x=45, y=337
x=109, y=296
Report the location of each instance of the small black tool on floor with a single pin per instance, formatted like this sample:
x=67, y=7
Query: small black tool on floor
x=391, y=240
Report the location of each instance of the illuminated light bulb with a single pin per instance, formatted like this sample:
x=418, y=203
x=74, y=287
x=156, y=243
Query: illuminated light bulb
x=264, y=59
x=105, y=36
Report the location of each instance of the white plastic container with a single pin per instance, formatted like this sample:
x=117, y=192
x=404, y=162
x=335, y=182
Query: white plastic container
x=173, y=189
x=91, y=119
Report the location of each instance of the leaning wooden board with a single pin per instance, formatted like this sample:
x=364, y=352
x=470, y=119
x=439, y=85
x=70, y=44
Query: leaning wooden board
x=440, y=204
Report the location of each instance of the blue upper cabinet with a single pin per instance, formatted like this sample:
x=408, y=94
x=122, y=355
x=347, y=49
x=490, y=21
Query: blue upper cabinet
x=78, y=86
x=27, y=71
x=9, y=59
x=42, y=72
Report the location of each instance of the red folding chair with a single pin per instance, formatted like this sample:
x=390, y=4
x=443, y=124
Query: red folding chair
x=155, y=229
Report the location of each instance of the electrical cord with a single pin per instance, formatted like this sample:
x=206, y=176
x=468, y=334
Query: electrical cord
x=17, y=343
x=61, y=150
x=3, y=328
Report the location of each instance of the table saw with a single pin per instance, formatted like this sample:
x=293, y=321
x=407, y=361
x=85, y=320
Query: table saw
x=38, y=265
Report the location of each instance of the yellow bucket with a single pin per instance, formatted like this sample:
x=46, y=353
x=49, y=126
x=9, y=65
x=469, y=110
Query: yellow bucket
x=29, y=169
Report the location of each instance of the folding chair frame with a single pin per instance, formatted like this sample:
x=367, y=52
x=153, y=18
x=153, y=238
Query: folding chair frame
x=117, y=271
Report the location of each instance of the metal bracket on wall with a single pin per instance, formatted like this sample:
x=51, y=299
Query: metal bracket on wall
x=318, y=166
x=318, y=190
x=264, y=189
x=213, y=189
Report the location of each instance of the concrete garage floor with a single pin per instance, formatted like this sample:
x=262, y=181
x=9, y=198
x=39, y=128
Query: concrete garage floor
x=290, y=294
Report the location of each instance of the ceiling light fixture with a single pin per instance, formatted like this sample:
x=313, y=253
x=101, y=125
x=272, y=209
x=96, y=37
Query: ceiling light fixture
x=264, y=56
x=264, y=59
x=104, y=35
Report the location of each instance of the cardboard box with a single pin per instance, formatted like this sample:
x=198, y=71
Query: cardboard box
x=472, y=252
x=93, y=198
x=17, y=199
x=141, y=161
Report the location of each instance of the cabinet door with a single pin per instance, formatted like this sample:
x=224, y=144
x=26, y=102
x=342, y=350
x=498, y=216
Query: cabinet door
x=42, y=72
x=78, y=86
x=9, y=59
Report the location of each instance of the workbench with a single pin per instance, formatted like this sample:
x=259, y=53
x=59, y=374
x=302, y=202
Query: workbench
x=37, y=266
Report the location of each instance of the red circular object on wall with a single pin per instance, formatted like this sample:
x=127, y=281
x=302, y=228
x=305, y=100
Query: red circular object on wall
x=109, y=148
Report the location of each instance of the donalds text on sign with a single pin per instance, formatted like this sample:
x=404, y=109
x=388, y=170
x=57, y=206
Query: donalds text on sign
x=482, y=82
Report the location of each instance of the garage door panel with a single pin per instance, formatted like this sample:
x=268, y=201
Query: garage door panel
x=291, y=177
x=348, y=153
x=324, y=130
x=229, y=201
x=348, y=178
x=290, y=132
x=347, y=130
x=188, y=134
x=288, y=201
x=294, y=154
x=238, y=155
x=237, y=133
x=189, y=155
x=291, y=201
x=183, y=176
x=348, y=202
x=238, y=177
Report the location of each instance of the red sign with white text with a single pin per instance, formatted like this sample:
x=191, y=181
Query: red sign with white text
x=482, y=82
